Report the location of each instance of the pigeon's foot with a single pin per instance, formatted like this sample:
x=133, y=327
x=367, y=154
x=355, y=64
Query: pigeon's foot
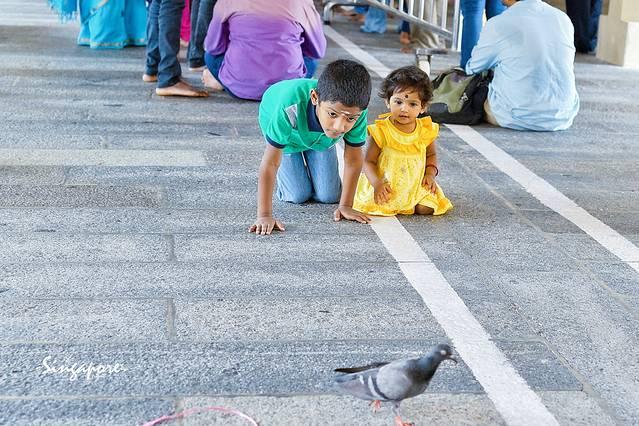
x=376, y=405
x=399, y=422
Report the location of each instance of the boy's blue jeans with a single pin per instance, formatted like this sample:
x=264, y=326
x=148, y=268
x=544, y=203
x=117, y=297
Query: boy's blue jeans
x=163, y=41
x=307, y=175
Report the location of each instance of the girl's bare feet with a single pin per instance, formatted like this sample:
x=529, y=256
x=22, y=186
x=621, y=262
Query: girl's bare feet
x=211, y=82
x=181, y=88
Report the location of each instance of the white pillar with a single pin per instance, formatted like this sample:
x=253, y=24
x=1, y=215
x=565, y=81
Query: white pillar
x=618, y=40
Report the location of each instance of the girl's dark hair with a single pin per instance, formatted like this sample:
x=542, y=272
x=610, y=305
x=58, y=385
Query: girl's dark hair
x=409, y=77
x=347, y=82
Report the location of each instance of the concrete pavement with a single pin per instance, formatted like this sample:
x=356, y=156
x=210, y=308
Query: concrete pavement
x=123, y=221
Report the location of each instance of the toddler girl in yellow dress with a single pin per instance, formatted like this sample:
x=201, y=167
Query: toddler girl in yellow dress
x=401, y=158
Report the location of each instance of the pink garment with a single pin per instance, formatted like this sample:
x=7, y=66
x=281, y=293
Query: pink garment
x=185, y=29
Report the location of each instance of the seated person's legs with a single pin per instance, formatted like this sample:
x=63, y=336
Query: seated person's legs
x=488, y=114
x=293, y=182
x=324, y=170
x=211, y=73
x=423, y=210
x=311, y=66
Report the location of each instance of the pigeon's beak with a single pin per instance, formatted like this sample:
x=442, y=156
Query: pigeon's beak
x=452, y=358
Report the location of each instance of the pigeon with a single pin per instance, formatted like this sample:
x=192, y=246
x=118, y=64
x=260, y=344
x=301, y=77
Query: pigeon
x=392, y=381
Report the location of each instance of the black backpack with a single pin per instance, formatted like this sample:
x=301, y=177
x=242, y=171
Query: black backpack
x=459, y=98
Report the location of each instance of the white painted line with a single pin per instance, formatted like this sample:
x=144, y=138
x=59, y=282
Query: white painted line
x=513, y=398
x=371, y=63
x=548, y=195
x=101, y=157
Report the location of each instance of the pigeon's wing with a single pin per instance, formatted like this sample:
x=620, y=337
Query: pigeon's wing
x=361, y=385
x=399, y=380
x=349, y=370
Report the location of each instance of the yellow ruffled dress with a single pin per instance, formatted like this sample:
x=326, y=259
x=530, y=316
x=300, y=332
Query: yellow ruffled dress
x=402, y=162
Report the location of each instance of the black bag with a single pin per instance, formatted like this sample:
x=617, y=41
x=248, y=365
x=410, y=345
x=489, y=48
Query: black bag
x=459, y=98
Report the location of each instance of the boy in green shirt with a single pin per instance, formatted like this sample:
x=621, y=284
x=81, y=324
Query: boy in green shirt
x=302, y=120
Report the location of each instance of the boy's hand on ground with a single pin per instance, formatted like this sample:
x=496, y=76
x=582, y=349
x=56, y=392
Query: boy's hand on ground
x=429, y=183
x=382, y=192
x=343, y=212
x=266, y=225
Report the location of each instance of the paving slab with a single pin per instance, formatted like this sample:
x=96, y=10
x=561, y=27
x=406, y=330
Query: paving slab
x=312, y=218
x=583, y=247
x=498, y=313
x=108, y=256
x=81, y=321
x=186, y=280
x=189, y=369
x=218, y=147
x=576, y=408
x=79, y=196
x=83, y=412
x=31, y=175
x=304, y=318
x=457, y=409
x=281, y=248
x=24, y=138
x=593, y=332
x=618, y=276
x=102, y=157
x=188, y=174
x=48, y=247
x=235, y=368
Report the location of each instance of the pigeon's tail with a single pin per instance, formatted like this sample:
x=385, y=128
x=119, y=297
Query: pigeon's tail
x=353, y=384
x=350, y=370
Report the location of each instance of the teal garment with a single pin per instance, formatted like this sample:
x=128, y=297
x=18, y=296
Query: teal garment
x=287, y=123
x=106, y=24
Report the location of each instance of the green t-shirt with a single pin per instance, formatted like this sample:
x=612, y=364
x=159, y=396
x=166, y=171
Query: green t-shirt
x=288, y=121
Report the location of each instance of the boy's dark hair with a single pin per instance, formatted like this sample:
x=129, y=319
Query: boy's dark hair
x=347, y=82
x=409, y=77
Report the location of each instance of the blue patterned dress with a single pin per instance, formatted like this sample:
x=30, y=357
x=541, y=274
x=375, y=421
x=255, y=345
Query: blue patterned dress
x=106, y=24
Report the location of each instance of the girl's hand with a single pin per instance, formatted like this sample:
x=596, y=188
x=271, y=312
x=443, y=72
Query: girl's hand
x=343, y=212
x=265, y=225
x=383, y=192
x=429, y=183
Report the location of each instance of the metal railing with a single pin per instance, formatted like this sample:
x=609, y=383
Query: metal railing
x=430, y=15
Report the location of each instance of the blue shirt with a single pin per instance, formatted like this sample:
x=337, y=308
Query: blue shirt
x=530, y=47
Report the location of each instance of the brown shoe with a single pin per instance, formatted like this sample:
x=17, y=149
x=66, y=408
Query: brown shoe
x=181, y=88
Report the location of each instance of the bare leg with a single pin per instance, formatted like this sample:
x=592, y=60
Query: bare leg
x=376, y=405
x=423, y=210
x=210, y=81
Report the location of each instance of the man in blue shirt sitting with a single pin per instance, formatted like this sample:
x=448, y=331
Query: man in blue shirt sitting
x=530, y=47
